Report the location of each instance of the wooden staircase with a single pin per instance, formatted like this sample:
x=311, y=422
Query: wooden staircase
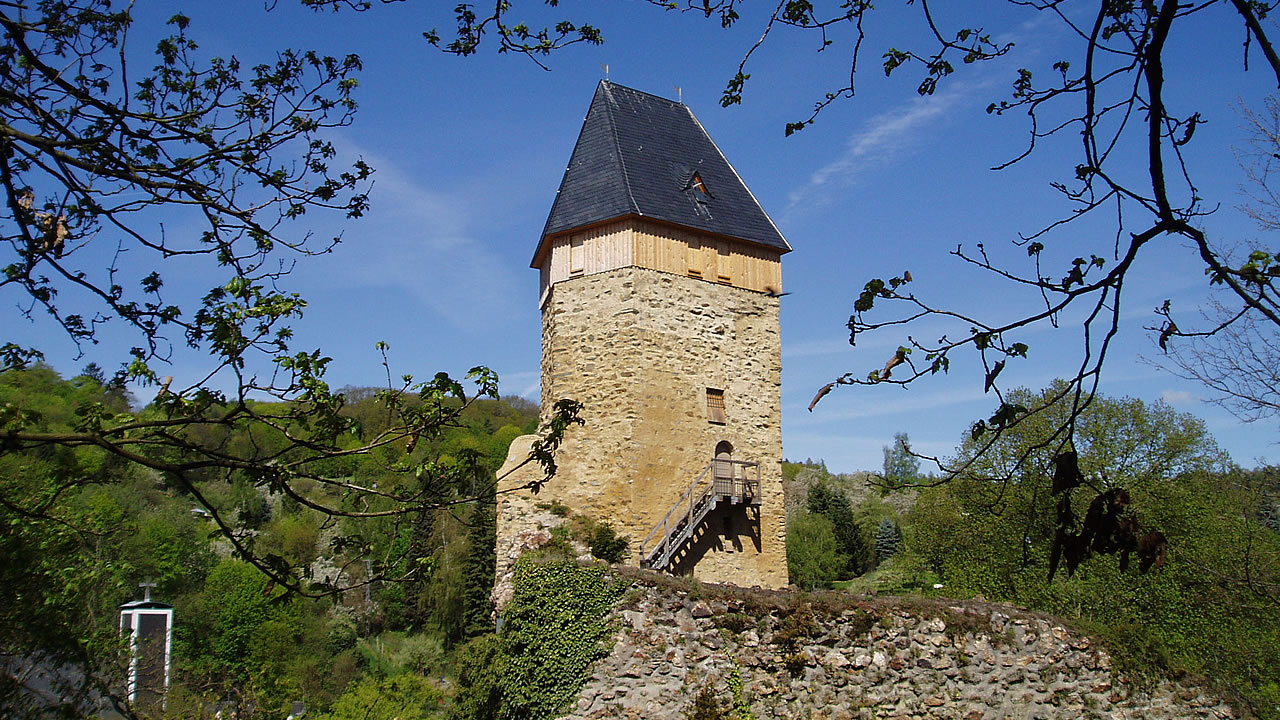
x=721, y=481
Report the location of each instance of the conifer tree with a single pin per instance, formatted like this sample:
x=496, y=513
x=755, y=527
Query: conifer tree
x=1271, y=513
x=481, y=570
x=888, y=537
x=900, y=466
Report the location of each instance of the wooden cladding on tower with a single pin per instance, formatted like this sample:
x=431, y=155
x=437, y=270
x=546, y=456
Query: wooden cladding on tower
x=724, y=264
x=634, y=242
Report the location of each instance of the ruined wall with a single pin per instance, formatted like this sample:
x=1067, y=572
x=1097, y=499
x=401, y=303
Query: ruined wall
x=640, y=348
x=876, y=658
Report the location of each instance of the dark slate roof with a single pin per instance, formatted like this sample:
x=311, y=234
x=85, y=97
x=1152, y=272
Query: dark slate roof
x=638, y=154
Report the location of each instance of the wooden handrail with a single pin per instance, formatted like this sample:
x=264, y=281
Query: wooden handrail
x=733, y=486
x=662, y=524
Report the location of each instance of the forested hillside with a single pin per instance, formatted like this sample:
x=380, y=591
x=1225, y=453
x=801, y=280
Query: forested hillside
x=82, y=528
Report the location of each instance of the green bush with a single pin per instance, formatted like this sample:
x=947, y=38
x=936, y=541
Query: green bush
x=606, y=545
x=341, y=632
x=813, y=558
x=478, y=667
x=405, y=697
x=422, y=654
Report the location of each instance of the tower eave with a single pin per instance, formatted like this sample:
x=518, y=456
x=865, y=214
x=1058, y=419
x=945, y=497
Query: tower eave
x=544, y=245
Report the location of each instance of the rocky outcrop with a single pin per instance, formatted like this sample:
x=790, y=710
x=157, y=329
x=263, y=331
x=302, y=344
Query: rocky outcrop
x=834, y=657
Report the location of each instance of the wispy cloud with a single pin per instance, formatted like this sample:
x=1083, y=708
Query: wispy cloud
x=525, y=383
x=881, y=140
x=885, y=138
x=424, y=241
x=1177, y=397
x=904, y=404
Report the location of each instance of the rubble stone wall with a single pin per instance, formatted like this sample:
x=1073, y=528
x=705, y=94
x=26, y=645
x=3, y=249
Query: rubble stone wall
x=959, y=661
x=640, y=348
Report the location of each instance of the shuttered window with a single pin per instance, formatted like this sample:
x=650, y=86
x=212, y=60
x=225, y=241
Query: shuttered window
x=715, y=406
x=575, y=255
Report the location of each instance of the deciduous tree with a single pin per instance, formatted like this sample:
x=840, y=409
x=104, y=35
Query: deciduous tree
x=100, y=159
x=97, y=159
x=1238, y=357
x=1209, y=607
x=1120, y=444
x=1114, y=92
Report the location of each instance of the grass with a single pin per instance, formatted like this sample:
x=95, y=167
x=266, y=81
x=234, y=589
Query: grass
x=893, y=579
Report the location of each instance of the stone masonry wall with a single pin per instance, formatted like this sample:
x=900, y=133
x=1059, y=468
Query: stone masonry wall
x=640, y=348
x=878, y=658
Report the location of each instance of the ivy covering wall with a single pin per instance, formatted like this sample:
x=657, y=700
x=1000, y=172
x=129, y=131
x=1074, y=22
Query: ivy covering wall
x=555, y=625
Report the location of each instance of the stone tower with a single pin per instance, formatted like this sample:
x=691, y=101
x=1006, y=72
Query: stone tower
x=661, y=278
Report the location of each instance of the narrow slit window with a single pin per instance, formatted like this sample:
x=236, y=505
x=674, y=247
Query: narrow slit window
x=715, y=406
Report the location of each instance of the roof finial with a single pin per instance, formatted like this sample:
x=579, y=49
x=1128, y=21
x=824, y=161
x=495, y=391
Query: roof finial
x=605, y=68
x=679, y=94
x=146, y=589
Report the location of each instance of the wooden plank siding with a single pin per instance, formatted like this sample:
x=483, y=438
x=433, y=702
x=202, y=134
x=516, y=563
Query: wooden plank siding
x=636, y=242
x=586, y=252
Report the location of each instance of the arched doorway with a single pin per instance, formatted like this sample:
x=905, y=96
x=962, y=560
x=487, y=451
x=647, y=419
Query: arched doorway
x=723, y=468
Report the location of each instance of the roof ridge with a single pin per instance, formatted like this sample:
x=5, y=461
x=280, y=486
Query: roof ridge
x=746, y=187
x=617, y=145
x=643, y=92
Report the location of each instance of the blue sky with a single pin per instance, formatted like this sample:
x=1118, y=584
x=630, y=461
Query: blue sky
x=469, y=152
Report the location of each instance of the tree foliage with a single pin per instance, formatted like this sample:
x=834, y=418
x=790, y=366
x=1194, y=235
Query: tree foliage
x=833, y=504
x=97, y=158
x=901, y=466
x=814, y=559
x=481, y=571
x=1210, y=608
x=1120, y=444
x=58, y=597
x=240, y=638
x=1111, y=91
x=888, y=538
x=402, y=696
